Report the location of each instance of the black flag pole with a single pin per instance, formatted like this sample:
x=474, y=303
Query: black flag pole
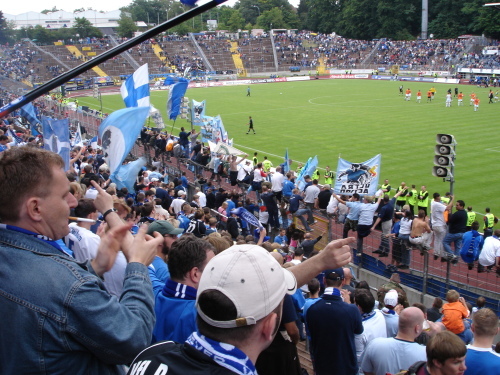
x=76, y=71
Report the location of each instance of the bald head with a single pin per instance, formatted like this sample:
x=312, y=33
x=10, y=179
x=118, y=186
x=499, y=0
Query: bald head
x=410, y=321
x=279, y=258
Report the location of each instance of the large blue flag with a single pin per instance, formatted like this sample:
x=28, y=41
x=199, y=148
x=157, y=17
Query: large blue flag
x=286, y=164
x=118, y=133
x=177, y=92
x=28, y=111
x=56, y=137
x=135, y=90
x=309, y=168
x=126, y=175
x=361, y=178
x=198, y=112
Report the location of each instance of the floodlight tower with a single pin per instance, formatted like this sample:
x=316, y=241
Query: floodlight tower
x=425, y=18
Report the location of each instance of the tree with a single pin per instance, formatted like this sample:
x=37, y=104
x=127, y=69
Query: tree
x=126, y=26
x=41, y=34
x=83, y=27
x=356, y=13
x=235, y=22
x=271, y=18
x=54, y=9
x=487, y=22
x=7, y=30
x=399, y=19
x=322, y=15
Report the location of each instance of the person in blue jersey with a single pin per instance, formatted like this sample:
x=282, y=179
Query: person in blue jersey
x=480, y=357
x=175, y=304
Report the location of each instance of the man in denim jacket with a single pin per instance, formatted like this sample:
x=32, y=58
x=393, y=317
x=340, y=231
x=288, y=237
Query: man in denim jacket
x=57, y=317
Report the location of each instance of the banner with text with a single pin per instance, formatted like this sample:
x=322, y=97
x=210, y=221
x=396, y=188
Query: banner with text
x=361, y=178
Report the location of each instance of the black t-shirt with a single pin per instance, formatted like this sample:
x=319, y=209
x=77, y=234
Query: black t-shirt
x=177, y=359
x=458, y=222
x=324, y=199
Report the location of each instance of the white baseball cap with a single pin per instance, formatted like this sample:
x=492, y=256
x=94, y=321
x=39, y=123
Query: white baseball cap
x=251, y=278
x=391, y=298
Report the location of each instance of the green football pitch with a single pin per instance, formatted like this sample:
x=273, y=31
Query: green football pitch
x=357, y=119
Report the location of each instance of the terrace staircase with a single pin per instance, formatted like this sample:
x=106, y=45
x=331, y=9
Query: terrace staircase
x=160, y=53
x=77, y=53
x=126, y=55
x=275, y=56
x=54, y=57
x=369, y=56
x=201, y=53
x=322, y=65
x=238, y=63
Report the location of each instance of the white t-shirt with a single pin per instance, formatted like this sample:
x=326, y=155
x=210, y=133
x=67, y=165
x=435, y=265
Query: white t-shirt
x=243, y=171
x=177, y=205
x=203, y=199
x=84, y=245
x=491, y=250
x=366, y=213
x=277, y=182
x=405, y=226
x=437, y=214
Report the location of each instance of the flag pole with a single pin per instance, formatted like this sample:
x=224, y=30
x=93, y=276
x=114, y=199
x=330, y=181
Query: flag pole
x=63, y=78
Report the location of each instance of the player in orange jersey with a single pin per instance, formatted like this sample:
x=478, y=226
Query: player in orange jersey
x=476, y=104
x=460, y=98
x=472, y=97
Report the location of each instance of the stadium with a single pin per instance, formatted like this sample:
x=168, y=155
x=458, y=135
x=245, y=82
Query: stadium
x=309, y=95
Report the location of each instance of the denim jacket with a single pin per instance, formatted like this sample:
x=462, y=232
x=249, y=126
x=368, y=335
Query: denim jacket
x=56, y=317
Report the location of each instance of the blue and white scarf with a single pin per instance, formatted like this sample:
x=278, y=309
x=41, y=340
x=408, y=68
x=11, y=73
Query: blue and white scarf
x=366, y=316
x=332, y=292
x=174, y=289
x=224, y=355
x=59, y=244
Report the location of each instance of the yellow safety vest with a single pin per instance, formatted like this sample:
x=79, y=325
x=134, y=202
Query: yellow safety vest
x=471, y=217
x=491, y=221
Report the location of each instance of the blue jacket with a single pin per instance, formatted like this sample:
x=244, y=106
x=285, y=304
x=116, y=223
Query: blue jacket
x=57, y=317
x=176, y=311
x=472, y=243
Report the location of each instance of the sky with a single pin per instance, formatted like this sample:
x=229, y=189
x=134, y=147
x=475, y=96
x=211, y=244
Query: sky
x=18, y=7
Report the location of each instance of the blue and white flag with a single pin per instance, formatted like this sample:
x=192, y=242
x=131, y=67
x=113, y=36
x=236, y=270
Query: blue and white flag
x=28, y=111
x=198, y=112
x=308, y=170
x=56, y=137
x=77, y=140
x=178, y=89
x=135, y=90
x=361, y=178
x=207, y=129
x=15, y=138
x=118, y=133
x=219, y=133
x=286, y=163
x=94, y=142
x=126, y=175
x=243, y=214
